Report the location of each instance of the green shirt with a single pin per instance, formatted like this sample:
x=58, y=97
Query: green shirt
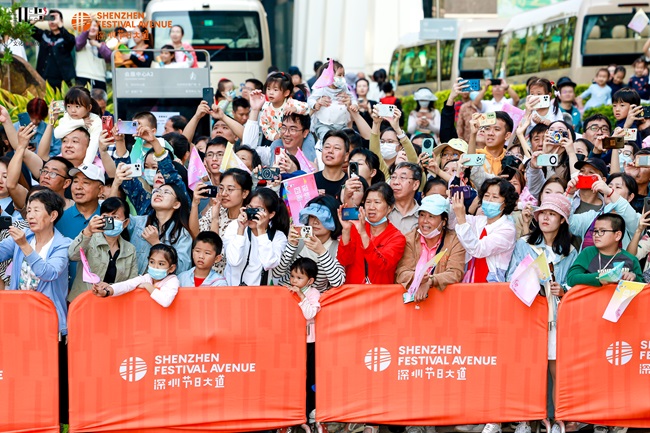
x=587, y=266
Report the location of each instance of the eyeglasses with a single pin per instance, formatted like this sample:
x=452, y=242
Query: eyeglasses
x=596, y=128
x=400, y=179
x=625, y=152
x=602, y=232
x=229, y=190
x=212, y=155
x=163, y=192
x=50, y=174
x=293, y=130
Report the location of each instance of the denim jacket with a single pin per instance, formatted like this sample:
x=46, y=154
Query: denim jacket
x=183, y=245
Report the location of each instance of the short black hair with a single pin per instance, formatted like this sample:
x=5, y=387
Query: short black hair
x=306, y=266
x=317, y=65
x=505, y=117
x=506, y=190
x=595, y=117
x=179, y=142
x=385, y=190
x=240, y=102
x=51, y=201
x=540, y=128
x=216, y=141
x=209, y=238
x=56, y=11
x=620, y=69
x=68, y=165
x=433, y=181
x=340, y=134
x=256, y=83
x=255, y=157
x=178, y=122
x=387, y=87
x=626, y=95
x=148, y=117
x=628, y=181
x=617, y=221
x=303, y=119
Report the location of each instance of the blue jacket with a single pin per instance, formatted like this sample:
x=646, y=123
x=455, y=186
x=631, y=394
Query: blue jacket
x=214, y=279
x=53, y=272
x=183, y=245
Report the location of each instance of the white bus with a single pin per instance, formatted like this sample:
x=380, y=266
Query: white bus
x=573, y=38
x=234, y=32
x=414, y=65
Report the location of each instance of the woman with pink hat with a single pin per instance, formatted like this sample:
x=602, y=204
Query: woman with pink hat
x=552, y=237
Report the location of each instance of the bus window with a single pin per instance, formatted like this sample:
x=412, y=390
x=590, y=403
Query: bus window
x=502, y=47
x=533, y=51
x=420, y=63
x=606, y=39
x=558, y=42
x=405, y=68
x=516, y=53
x=394, y=63
x=226, y=35
x=447, y=58
x=476, y=55
x=432, y=66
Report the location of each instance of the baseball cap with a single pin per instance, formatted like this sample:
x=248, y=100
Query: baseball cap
x=596, y=163
x=92, y=172
x=435, y=204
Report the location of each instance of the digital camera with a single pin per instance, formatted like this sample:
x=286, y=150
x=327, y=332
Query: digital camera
x=269, y=173
x=251, y=212
x=557, y=136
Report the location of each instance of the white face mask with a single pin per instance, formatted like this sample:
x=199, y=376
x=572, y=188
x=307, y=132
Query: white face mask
x=388, y=150
x=435, y=232
x=340, y=82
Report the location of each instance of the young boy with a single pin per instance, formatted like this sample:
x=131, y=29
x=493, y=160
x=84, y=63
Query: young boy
x=639, y=81
x=303, y=274
x=206, y=251
x=616, y=83
x=592, y=262
x=626, y=105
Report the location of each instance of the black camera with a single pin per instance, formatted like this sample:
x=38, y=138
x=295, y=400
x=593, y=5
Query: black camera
x=251, y=213
x=210, y=190
x=269, y=173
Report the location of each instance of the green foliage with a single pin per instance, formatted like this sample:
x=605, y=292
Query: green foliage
x=605, y=110
x=17, y=31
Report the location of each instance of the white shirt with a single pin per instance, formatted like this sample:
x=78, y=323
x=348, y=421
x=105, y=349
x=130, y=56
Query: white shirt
x=493, y=105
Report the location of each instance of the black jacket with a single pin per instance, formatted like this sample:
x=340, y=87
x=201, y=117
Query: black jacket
x=55, y=54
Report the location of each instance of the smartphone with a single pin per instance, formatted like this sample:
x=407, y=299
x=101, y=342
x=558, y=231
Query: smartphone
x=613, y=142
x=107, y=125
x=643, y=161
x=251, y=213
x=385, y=110
x=646, y=112
x=136, y=169
x=208, y=95
x=465, y=190
x=549, y=160
x=350, y=213
x=427, y=146
x=269, y=173
x=630, y=134
x=109, y=223
x=60, y=105
x=129, y=127
x=646, y=205
x=586, y=182
x=544, y=101
x=487, y=119
x=353, y=168
x=24, y=119
x=49, y=17
x=5, y=222
x=475, y=160
x=210, y=190
x=496, y=81
x=473, y=85
x=306, y=232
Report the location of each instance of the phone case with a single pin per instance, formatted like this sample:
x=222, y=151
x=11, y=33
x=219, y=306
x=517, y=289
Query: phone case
x=586, y=182
x=385, y=110
x=487, y=119
x=473, y=85
x=350, y=214
x=474, y=160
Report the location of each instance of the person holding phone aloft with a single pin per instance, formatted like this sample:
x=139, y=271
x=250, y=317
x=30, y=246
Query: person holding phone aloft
x=499, y=89
x=387, y=144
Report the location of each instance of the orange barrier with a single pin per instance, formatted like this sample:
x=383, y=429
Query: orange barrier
x=218, y=359
x=29, y=359
x=471, y=354
x=603, y=368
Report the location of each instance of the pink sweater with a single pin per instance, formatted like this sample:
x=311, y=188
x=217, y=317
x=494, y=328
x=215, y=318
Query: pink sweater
x=310, y=306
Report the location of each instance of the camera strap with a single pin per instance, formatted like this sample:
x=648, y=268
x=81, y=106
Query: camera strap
x=265, y=274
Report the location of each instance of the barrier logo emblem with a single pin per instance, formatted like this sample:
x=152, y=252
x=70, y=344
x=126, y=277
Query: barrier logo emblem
x=377, y=359
x=133, y=369
x=619, y=353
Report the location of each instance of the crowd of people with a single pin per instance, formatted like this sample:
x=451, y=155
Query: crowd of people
x=389, y=199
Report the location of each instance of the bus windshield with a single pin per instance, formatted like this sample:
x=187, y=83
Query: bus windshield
x=606, y=39
x=226, y=35
x=475, y=55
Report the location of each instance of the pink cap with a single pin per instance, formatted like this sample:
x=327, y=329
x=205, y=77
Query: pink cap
x=557, y=203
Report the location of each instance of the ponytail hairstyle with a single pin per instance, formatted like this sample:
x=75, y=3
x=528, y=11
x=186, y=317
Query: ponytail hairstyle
x=272, y=203
x=81, y=96
x=169, y=252
x=282, y=80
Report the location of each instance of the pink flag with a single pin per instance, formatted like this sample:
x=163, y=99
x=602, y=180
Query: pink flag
x=88, y=276
x=326, y=78
x=300, y=190
x=305, y=165
x=515, y=113
x=195, y=169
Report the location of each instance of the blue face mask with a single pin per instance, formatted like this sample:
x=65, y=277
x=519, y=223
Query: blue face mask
x=623, y=160
x=378, y=223
x=157, y=274
x=491, y=209
x=149, y=174
x=117, y=230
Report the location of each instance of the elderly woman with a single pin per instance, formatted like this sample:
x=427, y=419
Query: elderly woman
x=422, y=244
x=320, y=214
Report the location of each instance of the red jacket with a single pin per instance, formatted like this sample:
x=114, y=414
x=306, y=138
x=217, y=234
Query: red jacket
x=382, y=255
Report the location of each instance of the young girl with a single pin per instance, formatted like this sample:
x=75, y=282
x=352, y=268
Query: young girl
x=159, y=280
x=600, y=92
x=167, y=59
x=303, y=276
x=80, y=112
x=328, y=112
x=537, y=89
x=278, y=89
x=225, y=95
